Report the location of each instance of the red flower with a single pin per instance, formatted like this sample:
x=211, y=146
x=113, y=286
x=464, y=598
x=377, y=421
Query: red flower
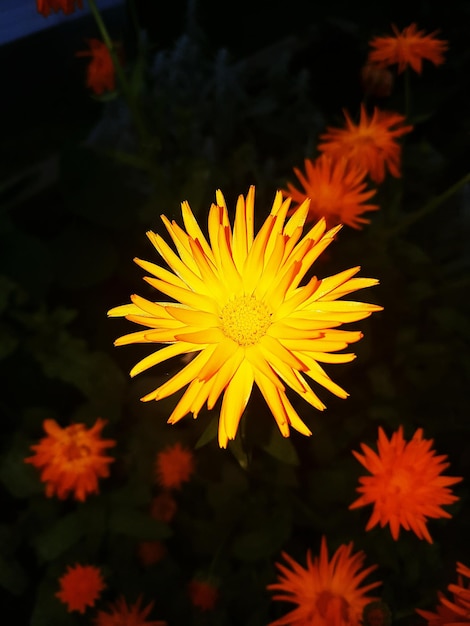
x=406, y=485
x=336, y=189
x=80, y=587
x=203, y=594
x=71, y=459
x=326, y=592
x=174, y=466
x=407, y=48
x=67, y=6
x=163, y=507
x=151, y=552
x=455, y=612
x=120, y=614
x=100, y=73
x=371, y=144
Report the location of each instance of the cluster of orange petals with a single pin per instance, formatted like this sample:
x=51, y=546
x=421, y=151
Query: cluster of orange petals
x=71, y=459
x=371, y=144
x=80, y=587
x=203, y=594
x=174, y=466
x=337, y=191
x=67, y=6
x=407, y=49
x=455, y=612
x=406, y=485
x=101, y=76
x=326, y=591
x=122, y=614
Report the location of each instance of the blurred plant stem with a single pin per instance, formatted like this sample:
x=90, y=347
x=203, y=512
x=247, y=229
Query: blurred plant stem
x=148, y=143
x=427, y=208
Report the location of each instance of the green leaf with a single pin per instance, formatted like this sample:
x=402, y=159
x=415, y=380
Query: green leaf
x=210, y=432
x=136, y=524
x=12, y=576
x=281, y=448
x=61, y=536
x=19, y=478
x=262, y=543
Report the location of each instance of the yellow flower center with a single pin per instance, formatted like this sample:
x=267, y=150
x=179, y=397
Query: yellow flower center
x=245, y=320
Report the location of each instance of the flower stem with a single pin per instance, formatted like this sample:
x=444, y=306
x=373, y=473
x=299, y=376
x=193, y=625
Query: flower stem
x=122, y=79
x=428, y=207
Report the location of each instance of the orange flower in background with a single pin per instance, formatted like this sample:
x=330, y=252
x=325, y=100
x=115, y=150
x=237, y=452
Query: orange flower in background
x=326, y=592
x=100, y=76
x=376, y=81
x=71, y=459
x=121, y=614
x=371, y=144
x=242, y=311
x=151, y=552
x=67, y=6
x=174, y=466
x=80, y=587
x=455, y=612
x=407, y=49
x=406, y=486
x=336, y=189
x=164, y=507
x=203, y=594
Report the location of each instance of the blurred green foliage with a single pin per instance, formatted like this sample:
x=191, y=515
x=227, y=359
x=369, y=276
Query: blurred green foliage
x=220, y=121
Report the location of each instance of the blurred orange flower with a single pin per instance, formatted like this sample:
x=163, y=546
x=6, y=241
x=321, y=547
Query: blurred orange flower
x=406, y=485
x=407, y=48
x=71, y=459
x=326, y=591
x=163, y=507
x=80, y=587
x=151, y=552
x=67, y=6
x=455, y=612
x=101, y=75
x=203, y=594
x=336, y=189
x=174, y=466
x=120, y=614
x=376, y=81
x=371, y=144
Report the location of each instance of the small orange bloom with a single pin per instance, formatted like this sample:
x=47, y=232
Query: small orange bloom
x=120, y=614
x=163, y=507
x=336, y=189
x=326, y=591
x=71, y=459
x=455, y=612
x=100, y=73
x=407, y=48
x=151, y=552
x=406, y=485
x=376, y=81
x=80, y=587
x=67, y=6
x=371, y=144
x=174, y=466
x=203, y=594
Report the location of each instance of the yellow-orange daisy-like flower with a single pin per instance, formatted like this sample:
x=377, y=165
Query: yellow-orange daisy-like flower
x=120, y=613
x=407, y=49
x=203, y=594
x=455, y=612
x=71, y=459
x=406, y=486
x=327, y=591
x=242, y=311
x=80, y=587
x=174, y=466
x=372, y=144
x=336, y=189
x=100, y=76
x=67, y=6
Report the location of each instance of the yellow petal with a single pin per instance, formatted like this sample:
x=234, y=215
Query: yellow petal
x=175, y=349
x=203, y=336
x=185, y=296
x=235, y=398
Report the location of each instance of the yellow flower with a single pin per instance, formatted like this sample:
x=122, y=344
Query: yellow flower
x=242, y=311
